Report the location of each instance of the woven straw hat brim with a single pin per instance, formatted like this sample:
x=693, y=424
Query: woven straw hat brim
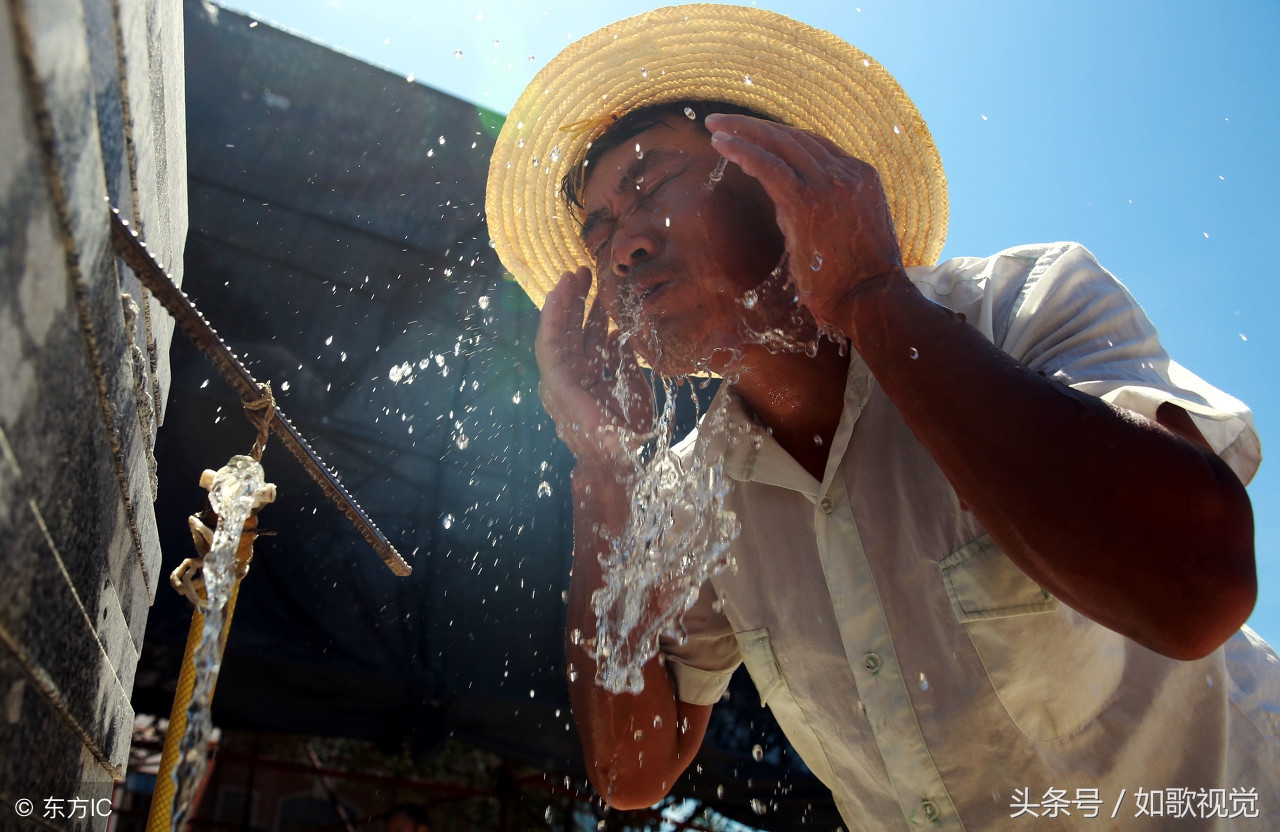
x=799, y=75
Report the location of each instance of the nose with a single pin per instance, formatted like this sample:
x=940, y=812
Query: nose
x=631, y=245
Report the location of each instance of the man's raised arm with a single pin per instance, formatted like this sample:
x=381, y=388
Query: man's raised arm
x=1132, y=521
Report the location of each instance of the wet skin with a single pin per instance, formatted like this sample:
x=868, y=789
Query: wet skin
x=674, y=258
x=1167, y=559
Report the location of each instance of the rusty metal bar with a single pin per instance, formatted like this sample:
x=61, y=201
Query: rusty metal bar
x=134, y=252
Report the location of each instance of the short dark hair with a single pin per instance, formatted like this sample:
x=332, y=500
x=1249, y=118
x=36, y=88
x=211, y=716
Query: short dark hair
x=414, y=811
x=633, y=124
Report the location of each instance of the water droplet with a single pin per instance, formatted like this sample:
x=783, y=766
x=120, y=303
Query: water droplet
x=913, y=353
x=720, y=791
x=897, y=129
x=1209, y=679
x=447, y=522
x=204, y=384
x=555, y=153
x=284, y=386
x=575, y=636
x=342, y=357
x=757, y=753
x=757, y=806
x=668, y=222
x=463, y=441
x=811, y=348
x=644, y=73
x=639, y=152
x=817, y=440
x=495, y=41
x=457, y=53
x=483, y=302
x=638, y=735
x=573, y=673
x=746, y=79
x=515, y=399
x=924, y=683
x=530, y=59
x=547, y=814
x=657, y=721
x=409, y=78
x=690, y=114
x=328, y=341
x=544, y=489
x=750, y=299
x=815, y=262
x=717, y=173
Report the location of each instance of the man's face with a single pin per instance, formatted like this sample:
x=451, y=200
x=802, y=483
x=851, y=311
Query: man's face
x=674, y=259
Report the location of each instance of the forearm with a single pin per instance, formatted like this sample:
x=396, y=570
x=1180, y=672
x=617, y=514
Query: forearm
x=635, y=745
x=1119, y=516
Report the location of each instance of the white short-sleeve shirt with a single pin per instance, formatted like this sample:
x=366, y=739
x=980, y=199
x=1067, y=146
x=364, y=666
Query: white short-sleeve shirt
x=917, y=671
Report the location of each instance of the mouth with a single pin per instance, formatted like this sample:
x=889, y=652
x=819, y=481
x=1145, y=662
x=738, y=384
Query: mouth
x=652, y=292
x=637, y=297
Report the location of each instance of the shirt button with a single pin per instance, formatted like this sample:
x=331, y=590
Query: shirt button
x=872, y=662
x=929, y=809
x=827, y=505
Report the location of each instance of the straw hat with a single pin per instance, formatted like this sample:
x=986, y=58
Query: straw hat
x=797, y=74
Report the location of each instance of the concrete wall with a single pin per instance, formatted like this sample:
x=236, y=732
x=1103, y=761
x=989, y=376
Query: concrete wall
x=91, y=111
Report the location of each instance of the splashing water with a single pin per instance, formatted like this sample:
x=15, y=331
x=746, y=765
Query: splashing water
x=776, y=292
x=679, y=530
x=717, y=173
x=237, y=490
x=677, y=536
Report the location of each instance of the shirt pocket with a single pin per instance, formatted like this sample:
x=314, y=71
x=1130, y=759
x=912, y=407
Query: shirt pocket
x=1052, y=669
x=758, y=656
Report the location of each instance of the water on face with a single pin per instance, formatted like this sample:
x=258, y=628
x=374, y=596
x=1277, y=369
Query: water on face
x=679, y=530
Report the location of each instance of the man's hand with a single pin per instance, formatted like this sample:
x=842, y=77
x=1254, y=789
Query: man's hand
x=830, y=207
x=580, y=364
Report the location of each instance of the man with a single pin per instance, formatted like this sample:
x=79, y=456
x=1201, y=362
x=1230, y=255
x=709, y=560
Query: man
x=407, y=817
x=989, y=555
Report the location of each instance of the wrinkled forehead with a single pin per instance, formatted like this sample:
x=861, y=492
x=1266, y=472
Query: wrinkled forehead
x=625, y=163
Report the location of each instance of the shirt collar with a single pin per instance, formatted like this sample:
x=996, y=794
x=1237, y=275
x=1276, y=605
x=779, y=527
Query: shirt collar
x=753, y=455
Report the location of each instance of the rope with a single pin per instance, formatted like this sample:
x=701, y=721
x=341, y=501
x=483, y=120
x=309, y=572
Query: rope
x=259, y=414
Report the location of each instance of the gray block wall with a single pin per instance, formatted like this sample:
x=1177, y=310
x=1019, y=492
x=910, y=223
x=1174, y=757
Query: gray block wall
x=91, y=113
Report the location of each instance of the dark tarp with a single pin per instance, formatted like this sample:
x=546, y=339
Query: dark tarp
x=338, y=245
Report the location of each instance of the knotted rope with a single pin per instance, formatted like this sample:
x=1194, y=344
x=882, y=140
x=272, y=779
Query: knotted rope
x=259, y=414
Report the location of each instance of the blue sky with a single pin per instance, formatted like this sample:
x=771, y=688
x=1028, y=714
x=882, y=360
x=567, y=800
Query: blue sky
x=1145, y=130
